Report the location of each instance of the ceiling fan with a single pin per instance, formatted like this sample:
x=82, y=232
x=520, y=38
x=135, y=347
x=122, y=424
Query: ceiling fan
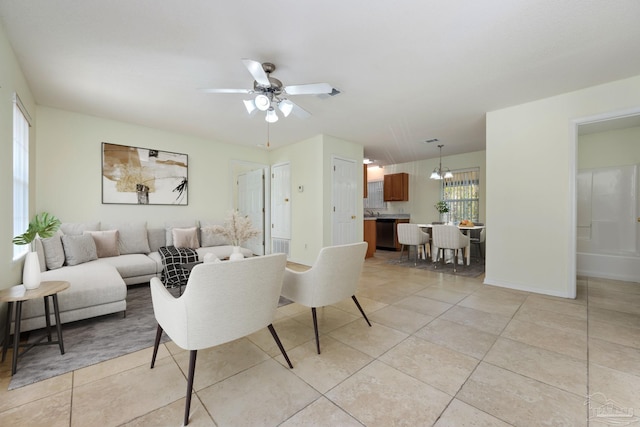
x=271, y=93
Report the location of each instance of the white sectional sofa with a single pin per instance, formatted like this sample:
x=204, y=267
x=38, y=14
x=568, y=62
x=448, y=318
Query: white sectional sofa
x=99, y=274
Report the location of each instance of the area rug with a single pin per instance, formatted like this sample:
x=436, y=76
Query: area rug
x=475, y=269
x=92, y=341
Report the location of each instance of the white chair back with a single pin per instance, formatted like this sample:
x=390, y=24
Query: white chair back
x=332, y=278
x=222, y=301
x=411, y=234
x=449, y=237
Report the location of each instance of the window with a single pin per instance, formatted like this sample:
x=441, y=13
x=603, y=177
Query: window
x=375, y=195
x=461, y=194
x=21, y=124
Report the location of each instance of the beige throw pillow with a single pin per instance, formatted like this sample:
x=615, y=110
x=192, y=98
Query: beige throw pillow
x=106, y=242
x=185, y=237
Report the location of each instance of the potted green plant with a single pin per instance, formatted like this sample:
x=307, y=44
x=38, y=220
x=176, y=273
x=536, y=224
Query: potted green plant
x=443, y=208
x=43, y=225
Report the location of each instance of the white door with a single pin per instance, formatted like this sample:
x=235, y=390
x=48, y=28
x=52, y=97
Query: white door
x=344, y=183
x=251, y=203
x=281, y=208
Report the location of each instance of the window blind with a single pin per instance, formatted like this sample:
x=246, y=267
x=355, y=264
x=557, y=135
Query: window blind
x=461, y=194
x=375, y=193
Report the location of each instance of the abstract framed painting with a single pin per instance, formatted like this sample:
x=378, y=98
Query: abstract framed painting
x=143, y=176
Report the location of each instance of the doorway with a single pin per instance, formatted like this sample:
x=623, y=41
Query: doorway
x=606, y=210
x=250, y=190
x=344, y=194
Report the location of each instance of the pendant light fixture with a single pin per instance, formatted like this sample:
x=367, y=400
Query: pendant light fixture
x=439, y=173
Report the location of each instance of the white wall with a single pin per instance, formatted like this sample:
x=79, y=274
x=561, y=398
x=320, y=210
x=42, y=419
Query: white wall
x=425, y=192
x=612, y=148
x=69, y=182
x=11, y=81
x=311, y=210
x=531, y=166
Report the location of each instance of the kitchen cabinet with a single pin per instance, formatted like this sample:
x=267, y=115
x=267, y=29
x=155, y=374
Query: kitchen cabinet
x=370, y=236
x=396, y=187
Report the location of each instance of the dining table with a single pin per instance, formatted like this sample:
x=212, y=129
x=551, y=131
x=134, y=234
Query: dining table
x=465, y=229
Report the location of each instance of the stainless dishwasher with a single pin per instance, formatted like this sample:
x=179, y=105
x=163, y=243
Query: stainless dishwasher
x=386, y=233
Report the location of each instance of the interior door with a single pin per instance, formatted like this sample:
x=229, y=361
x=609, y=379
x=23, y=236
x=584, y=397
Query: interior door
x=251, y=203
x=281, y=208
x=344, y=197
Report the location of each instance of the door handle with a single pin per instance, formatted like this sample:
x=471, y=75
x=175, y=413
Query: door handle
x=353, y=217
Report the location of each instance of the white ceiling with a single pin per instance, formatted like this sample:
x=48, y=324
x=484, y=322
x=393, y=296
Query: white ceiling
x=408, y=71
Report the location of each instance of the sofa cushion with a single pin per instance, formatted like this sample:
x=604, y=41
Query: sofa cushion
x=76, y=228
x=185, y=238
x=157, y=238
x=106, y=242
x=53, y=251
x=132, y=237
x=79, y=249
x=132, y=265
x=170, y=225
x=208, y=237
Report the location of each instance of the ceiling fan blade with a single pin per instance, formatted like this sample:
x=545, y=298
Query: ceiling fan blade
x=298, y=111
x=227, y=91
x=309, y=89
x=256, y=70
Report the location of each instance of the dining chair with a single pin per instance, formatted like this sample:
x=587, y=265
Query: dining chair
x=449, y=237
x=477, y=238
x=412, y=235
x=333, y=277
x=222, y=302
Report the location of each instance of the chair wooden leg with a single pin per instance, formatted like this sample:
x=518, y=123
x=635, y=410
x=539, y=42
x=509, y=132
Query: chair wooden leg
x=156, y=345
x=192, y=371
x=275, y=337
x=360, y=308
x=401, y=251
x=315, y=327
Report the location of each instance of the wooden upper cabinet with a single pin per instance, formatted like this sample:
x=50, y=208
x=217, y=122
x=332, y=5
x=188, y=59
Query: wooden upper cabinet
x=365, y=186
x=396, y=187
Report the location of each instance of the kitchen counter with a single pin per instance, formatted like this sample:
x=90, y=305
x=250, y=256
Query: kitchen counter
x=388, y=216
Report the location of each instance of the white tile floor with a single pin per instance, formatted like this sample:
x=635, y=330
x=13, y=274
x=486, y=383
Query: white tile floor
x=443, y=351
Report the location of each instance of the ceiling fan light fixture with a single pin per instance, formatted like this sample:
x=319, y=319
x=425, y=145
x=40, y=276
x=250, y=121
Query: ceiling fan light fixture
x=271, y=116
x=286, y=107
x=262, y=102
x=249, y=105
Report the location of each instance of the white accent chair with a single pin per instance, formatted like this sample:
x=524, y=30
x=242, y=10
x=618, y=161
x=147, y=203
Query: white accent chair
x=333, y=277
x=449, y=237
x=222, y=302
x=412, y=235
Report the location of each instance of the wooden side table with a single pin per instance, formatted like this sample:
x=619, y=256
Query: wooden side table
x=19, y=294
